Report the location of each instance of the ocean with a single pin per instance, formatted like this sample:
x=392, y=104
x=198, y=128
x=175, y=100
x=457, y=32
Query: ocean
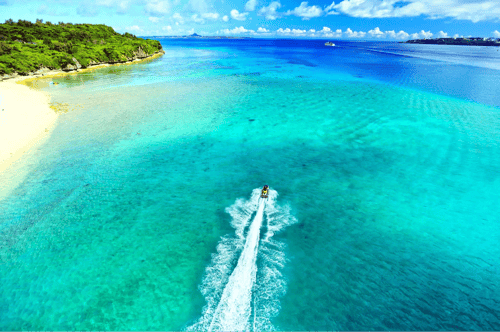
x=142, y=209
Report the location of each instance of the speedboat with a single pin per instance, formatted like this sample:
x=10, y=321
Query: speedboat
x=265, y=192
x=329, y=44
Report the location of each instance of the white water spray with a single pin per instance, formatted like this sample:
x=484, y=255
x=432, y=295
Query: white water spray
x=241, y=297
x=233, y=311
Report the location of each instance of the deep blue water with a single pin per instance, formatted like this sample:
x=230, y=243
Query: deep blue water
x=141, y=211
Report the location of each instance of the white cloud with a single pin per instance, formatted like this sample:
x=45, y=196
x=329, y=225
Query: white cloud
x=457, y=35
x=51, y=11
x=397, y=35
x=363, y=8
x=354, y=34
x=376, y=33
x=305, y=11
x=199, y=6
x=87, y=11
x=167, y=28
x=225, y=18
x=236, y=31
x=426, y=35
x=270, y=12
x=123, y=7
x=280, y=30
x=42, y=9
x=157, y=7
x=442, y=34
x=335, y=34
x=422, y=35
x=238, y=16
x=178, y=18
x=496, y=34
x=288, y=31
x=326, y=32
x=210, y=16
x=330, y=10
x=153, y=19
x=262, y=30
x=250, y=5
x=105, y=3
x=472, y=10
x=196, y=19
x=134, y=28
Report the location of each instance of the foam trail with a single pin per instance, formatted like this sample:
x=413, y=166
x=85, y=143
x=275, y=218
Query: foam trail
x=234, y=309
x=243, y=283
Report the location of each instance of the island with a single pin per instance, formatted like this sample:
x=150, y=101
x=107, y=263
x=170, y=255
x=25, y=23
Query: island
x=27, y=48
x=472, y=41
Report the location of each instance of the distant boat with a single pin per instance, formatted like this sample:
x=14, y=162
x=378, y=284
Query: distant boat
x=329, y=44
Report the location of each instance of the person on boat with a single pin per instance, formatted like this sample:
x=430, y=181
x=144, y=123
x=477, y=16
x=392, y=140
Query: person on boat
x=264, y=190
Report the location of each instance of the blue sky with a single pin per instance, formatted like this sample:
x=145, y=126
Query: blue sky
x=341, y=19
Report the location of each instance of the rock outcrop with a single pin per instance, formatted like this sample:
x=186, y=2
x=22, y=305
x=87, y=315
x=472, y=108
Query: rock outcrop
x=140, y=54
x=70, y=67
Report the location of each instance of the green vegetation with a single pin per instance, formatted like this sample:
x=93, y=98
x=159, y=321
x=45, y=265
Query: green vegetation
x=26, y=47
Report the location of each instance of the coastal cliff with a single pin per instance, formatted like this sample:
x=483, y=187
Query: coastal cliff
x=36, y=48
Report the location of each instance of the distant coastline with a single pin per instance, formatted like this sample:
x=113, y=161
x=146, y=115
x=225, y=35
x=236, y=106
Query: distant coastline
x=472, y=41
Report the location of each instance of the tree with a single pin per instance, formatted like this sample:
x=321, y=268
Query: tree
x=9, y=21
x=129, y=35
x=29, y=38
x=39, y=21
x=24, y=23
x=5, y=48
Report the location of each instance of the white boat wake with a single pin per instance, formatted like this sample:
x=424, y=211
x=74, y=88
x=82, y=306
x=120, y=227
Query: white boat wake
x=243, y=283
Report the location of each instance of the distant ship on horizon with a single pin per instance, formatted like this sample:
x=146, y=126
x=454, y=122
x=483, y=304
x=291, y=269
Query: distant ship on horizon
x=329, y=44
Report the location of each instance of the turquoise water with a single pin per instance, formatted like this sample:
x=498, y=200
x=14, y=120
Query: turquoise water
x=137, y=212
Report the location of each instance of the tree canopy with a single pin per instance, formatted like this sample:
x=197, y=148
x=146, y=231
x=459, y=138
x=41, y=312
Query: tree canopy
x=26, y=47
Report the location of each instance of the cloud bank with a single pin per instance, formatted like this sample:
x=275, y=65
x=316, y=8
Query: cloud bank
x=472, y=10
x=327, y=32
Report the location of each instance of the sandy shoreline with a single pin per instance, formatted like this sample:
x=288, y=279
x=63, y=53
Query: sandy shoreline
x=26, y=117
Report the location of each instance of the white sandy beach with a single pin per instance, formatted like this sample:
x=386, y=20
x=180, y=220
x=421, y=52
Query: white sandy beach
x=25, y=119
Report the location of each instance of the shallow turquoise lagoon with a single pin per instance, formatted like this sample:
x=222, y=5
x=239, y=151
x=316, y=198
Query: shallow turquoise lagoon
x=137, y=212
